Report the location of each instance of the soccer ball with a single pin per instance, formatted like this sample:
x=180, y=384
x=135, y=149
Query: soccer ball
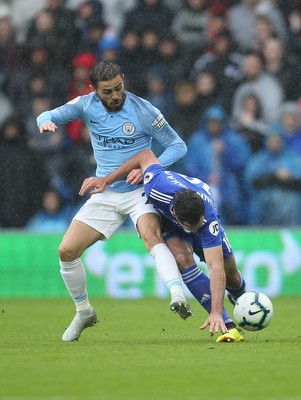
x=253, y=311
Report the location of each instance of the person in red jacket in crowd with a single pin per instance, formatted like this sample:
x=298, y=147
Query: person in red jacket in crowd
x=79, y=85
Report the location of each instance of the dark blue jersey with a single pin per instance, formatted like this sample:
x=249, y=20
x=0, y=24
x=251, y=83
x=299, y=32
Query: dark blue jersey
x=160, y=188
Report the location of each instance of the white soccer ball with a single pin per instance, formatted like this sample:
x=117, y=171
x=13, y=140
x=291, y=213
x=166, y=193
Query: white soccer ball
x=253, y=311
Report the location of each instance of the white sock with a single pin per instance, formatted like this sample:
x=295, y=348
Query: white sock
x=167, y=268
x=74, y=276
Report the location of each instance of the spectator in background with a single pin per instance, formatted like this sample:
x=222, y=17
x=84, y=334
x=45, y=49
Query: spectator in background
x=224, y=62
x=242, y=19
x=90, y=25
x=109, y=49
x=6, y=107
x=150, y=40
x=266, y=87
x=79, y=85
x=280, y=64
x=249, y=123
x=48, y=147
x=91, y=41
x=206, y=90
x=190, y=28
x=273, y=181
x=38, y=85
x=157, y=91
x=294, y=27
x=153, y=14
x=217, y=155
x=289, y=125
x=65, y=29
x=22, y=12
x=21, y=176
x=170, y=61
x=10, y=51
x=185, y=117
x=174, y=5
x=263, y=31
x=52, y=217
x=42, y=29
x=38, y=63
x=78, y=163
x=114, y=12
x=160, y=96
x=218, y=21
x=131, y=57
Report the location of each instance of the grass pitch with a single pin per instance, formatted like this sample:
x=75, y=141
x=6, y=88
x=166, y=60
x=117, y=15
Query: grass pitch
x=141, y=351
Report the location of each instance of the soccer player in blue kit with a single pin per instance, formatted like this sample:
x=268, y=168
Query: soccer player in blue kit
x=190, y=223
x=121, y=124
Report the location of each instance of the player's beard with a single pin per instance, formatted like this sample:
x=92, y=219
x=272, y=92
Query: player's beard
x=115, y=105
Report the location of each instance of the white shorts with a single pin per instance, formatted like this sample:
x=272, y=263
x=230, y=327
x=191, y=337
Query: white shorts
x=106, y=211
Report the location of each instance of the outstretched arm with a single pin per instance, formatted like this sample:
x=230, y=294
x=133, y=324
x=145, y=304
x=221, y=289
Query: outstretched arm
x=141, y=160
x=215, y=263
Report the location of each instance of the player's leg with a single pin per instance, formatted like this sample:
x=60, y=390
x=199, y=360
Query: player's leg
x=148, y=224
x=96, y=220
x=235, y=284
x=149, y=229
x=196, y=281
x=78, y=237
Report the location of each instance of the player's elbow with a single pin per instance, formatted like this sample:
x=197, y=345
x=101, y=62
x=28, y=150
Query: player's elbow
x=184, y=149
x=181, y=149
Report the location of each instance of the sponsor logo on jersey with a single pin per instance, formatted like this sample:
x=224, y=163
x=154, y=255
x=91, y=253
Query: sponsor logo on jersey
x=159, y=122
x=128, y=128
x=214, y=228
x=112, y=142
x=147, y=177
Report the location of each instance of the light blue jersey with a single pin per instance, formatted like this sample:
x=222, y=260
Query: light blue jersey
x=116, y=136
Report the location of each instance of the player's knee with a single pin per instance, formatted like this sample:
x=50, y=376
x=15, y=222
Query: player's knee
x=184, y=259
x=151, y=238
x=67, y=253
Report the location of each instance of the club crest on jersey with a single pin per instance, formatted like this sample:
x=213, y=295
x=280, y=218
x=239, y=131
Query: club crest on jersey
x=147, y=177
x=214, y=228
x=128, y=128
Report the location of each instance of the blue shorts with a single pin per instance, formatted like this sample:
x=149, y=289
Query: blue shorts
x=170, y=229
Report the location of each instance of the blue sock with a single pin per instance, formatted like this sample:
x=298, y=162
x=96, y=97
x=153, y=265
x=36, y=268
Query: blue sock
x=198, y=284
x=235, y=293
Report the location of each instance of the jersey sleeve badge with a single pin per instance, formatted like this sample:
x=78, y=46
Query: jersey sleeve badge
x=214, y=228
x=148, y=177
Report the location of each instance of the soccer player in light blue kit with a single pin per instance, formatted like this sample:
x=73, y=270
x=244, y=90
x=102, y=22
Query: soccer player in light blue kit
x=190, y=223
x=120, y=125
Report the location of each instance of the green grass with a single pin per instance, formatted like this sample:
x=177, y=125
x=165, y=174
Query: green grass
x=141, y=351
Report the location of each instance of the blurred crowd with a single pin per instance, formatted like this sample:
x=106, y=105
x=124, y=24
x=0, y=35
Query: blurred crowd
x=226, y=75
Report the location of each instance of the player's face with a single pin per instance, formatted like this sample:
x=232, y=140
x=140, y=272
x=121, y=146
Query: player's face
x=192, y=228
x=111, y=93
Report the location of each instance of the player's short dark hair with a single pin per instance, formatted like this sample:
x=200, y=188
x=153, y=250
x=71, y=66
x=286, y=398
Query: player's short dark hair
x=188, y=206
x=104, y=71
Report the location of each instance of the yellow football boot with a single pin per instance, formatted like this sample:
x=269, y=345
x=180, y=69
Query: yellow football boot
x=233, y=335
